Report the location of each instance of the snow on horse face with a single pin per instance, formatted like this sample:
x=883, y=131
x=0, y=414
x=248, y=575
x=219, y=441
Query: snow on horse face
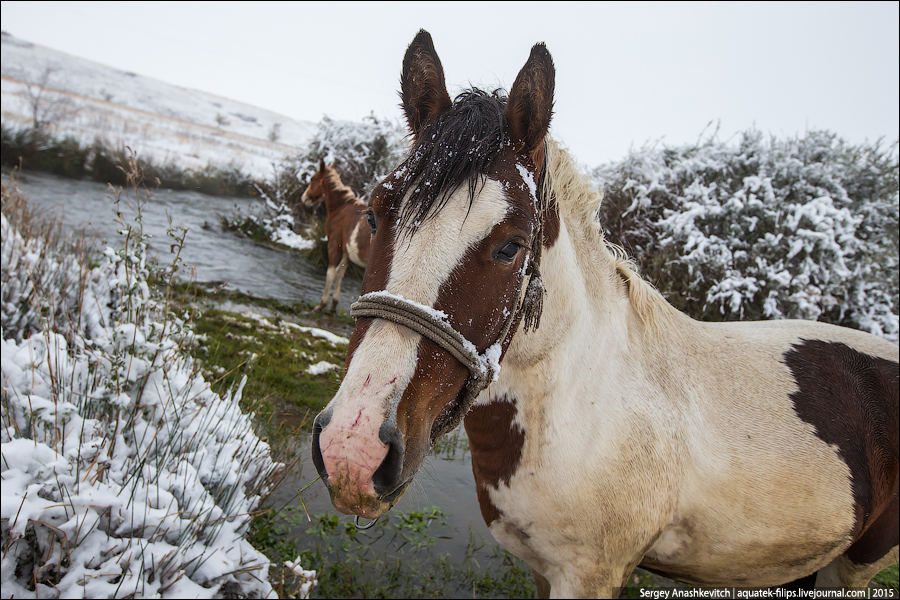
x=346, y=228
x=607, y=429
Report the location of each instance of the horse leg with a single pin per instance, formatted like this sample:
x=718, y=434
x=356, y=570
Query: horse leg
x=336, y=256
x=804, y=583
x=338, y=276
x=329, y=280
x=541, y=584
x=874, y=551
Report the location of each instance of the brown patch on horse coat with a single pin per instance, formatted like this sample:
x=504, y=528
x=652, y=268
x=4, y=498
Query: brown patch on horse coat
x=834, y=379
x=496, y=443
x=880, y=537
x=505, y=169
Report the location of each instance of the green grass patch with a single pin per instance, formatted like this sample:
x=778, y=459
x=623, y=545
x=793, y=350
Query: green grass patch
x=285, y=363
x=889, y=578
x=396, y=558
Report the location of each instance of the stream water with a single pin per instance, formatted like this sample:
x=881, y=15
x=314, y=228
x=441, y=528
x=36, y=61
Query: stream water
x=209, y=252
x=212, y=254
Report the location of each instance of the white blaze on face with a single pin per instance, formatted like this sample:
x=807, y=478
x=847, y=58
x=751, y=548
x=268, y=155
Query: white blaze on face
x=353, y=246
x=422, y=263
x=385, y=360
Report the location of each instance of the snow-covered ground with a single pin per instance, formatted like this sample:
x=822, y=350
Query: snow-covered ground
x=157, y=120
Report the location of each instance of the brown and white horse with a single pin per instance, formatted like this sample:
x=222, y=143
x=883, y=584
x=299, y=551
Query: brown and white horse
x=607, y=429
x=346, y=228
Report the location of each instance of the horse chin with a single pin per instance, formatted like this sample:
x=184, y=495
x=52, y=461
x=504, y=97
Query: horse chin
x=448, y=413
x=367, y=507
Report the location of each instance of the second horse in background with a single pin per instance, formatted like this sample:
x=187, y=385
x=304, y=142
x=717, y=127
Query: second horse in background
x=346, y=228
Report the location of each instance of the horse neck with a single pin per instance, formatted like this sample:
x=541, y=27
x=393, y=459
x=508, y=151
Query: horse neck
x=595, y=304
x=586, y=304
x=337, y=194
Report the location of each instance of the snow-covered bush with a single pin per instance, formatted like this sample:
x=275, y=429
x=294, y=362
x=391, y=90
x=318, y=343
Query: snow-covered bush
x=363, y=152
x=41, y=285
x=799, y=228
x=123, y=473
x=272, y=221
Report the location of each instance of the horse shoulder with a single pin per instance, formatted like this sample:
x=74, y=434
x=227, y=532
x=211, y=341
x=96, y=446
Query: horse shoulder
x=569, y=488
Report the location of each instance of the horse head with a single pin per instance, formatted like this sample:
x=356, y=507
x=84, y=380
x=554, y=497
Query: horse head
x=452, y=275
x=316, y=188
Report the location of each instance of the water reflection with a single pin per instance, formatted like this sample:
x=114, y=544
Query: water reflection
x=445, y=480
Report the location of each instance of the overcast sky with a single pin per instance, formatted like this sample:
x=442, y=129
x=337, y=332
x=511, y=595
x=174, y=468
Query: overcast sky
x=627, y=74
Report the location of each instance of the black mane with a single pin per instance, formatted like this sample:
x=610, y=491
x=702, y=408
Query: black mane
x=458, y=146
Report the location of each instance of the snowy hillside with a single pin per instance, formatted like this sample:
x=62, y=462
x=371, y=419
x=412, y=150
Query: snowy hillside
x=157, y=120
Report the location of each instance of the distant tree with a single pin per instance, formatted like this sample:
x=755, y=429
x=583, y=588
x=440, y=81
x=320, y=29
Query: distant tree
x=46, y=107
x=275, y=132
x=221, y=120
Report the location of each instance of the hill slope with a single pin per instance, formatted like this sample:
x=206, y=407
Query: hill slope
x=87, y=100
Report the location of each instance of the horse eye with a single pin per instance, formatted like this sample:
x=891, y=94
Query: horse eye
x=508, y=253
x=373, y=224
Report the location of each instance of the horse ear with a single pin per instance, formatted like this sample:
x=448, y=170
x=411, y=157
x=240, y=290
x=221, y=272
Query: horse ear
x=423, y=91
x=321, y=164
x=530, y=104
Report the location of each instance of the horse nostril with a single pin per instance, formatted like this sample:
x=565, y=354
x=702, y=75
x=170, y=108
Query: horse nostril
x=322, y=420
x=387, y=476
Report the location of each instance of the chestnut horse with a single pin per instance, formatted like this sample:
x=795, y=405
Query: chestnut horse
x=346, y=228
x=607, y=429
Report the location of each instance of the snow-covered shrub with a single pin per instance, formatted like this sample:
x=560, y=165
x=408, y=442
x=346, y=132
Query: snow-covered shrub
x=799, y=228
x=363, y=152
x=272, y=222
x=123, y=473
x=40, y=285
